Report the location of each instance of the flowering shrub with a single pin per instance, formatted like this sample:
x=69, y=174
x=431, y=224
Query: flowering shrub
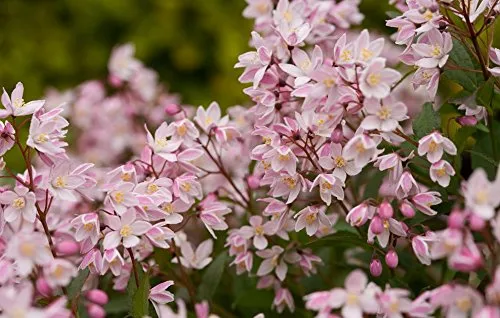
x=361, y=183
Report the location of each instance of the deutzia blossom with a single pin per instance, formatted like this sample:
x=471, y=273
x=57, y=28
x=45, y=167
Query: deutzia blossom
x=198, y=259
x=21, y=203
x=433, y=145
x=441, y=172
x=383, y=115
x=311, y=218
x=376, y=80
x=433, y=48
x=125, y=228
x=7, y=138
x=481, y=195
x=329, y=186
x=161, y=144
x=15, y=104
x=211, y=117
x=362, y=149
x=28, y=250
x=257, y=231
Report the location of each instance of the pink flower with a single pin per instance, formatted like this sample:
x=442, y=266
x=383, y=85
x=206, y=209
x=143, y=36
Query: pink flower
x=428, y=77
x=112, y=260
x=406, y=186
x=285, y=185
x=388, y=226
x=282, y=299
x=383, y=115
x=272, y=261
x=481, y=195
x=420, y=245
x=17, y=302
x=357, y=298
x=93, y=261
x=331, y=158
x=360, y=214
x=125, y=228
x=303, y=65
x=211, y=117
x=494, y=55
x=441, y=172
x=7, y=139
x=59, y=272
x=432, y=49
x=282, y=158
x=198, y=259
x=63, y=181
x=434, y=145
x=366, y=50
x=45, y=135
x=376, y=80
x=329, y=186
x=160, y=235
x=243, y=262
x=457, y=301
x=87, y=228
x=15, y=105
x=161, y=144
x=362, y=149
x=187, y=188
x=121, y=197
x=184, y=130
x=21, y=202
x=28, y=250
x=394, y=302
x=257, y=230
x=159, y=293
x=122, y=63
x=311, y=218
x=423, y=201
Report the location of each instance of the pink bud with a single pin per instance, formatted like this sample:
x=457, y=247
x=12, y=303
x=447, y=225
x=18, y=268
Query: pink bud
x=375, y=267
x=95, y=311
x=385, y=210
x=337, y=135
x=97, y=296
x=67, y=247
x=456, y=219
x=376, y=225
x=407, y=210
x=476, y=223
x=467, y=120
x=114, y=81
x=172, y=109
x=391, y=259
x=253, y=182
x=43, y=287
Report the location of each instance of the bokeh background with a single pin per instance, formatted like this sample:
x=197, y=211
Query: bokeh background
x=192, y=44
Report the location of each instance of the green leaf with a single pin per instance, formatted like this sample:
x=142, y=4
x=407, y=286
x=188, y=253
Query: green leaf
x=485, y=93
x=76, y=285
x=138, y=295
x=460, y=57
x=212, y=277
x=460, y=140
x=117, y=304
x=427, y=121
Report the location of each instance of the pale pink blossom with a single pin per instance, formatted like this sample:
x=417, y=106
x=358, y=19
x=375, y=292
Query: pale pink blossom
x=258, y=231
x=125, y=229
x=122, y=63
x=432, y=49
x=383, y=115
x=362, y=149
x=15, y=104
x=376, y=80
x=7, y=137
x=434, y=145
x=441, y=172
x=329, y=185
x=59, y=272
x=162, y=144
x=481, y=195
x=311, y=218
x=211, y=117
x=28, y=250
x=20, y=203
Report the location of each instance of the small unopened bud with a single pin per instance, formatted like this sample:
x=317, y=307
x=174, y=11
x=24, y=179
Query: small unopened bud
x=67, y=248
x=467, y=120
x=95, y=311
x=385, y=210
x=172, y=109
x=375, y=267
x=253, y=182
x=97, y=296
x=377, y=225
x=43, y=287
x=476, y=223
x=407, y=210
x=391, y=259
x=114, y=81
x=456, y=219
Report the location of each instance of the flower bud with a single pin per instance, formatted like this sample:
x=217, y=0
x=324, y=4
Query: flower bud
x=407, y=210
x=391, y=259
x=43, y=287
x=67, y=248
x=97, y=296
x=467, y=120
x=385, y=210
x=376, y=225
x=172, y=109
x=337, y=136
x=114, y=81
x=375, y=267
x=476, y=223
x=95, y=311
x=456, y=219
x=253, y=182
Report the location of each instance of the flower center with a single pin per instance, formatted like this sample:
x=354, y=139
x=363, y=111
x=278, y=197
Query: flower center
x=433, y=146
x=58, y=271
x=441, y=172
x=125, y=231
x=386, y=224
x=464, y=304
x=284, y=157
x=360, y=148
x=27, y=249
x=259, y=230
x=88, y=227
x=384, y=113
x=266, y=140
x=352, y=299
x=186, y=187
x=42, y=138
x=126, y=176
x=428, y=15
x=326, y=186
x=346, y=56
x=374, y=79
x=311, y=218
x=59, y=182
x=181, y=130
x=482, y=197
x=366, y=54
x=436, y=51
x=152, y=188
x=290, y=182
x=168, y=208
x=119, y=196
x=288, y=16
x=19, y=203
x=329, y=82
x=18, y=102
x=162, y=142
x=339, y=162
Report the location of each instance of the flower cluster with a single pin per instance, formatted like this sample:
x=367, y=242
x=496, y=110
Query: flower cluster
x=335, y=166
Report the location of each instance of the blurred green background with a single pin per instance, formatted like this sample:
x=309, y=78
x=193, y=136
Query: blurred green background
x=192, y=44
